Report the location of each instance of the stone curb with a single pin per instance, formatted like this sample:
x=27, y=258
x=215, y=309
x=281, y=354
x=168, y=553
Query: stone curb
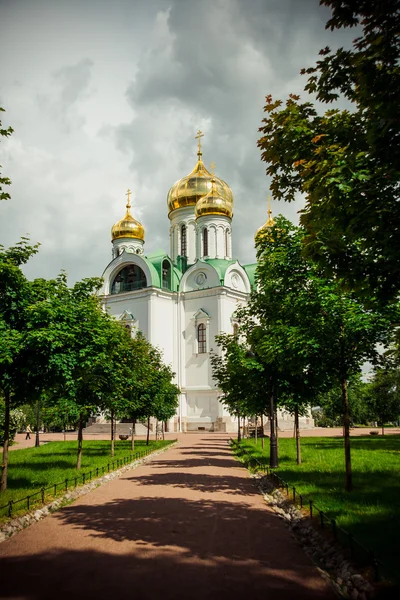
x=12, y=527
x=331, y=563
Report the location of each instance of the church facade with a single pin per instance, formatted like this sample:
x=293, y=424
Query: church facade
x=183, y=298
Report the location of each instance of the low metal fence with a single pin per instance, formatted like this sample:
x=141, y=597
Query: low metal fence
x=358, y=551
x=51, y=491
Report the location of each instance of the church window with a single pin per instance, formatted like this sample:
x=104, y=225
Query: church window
x=202, y=338
x=205, y=242
x=166, y=275
x=129, y=278
x=226, y=243
x=183, y=241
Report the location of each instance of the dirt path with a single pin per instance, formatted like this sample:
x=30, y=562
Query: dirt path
x=189, y=524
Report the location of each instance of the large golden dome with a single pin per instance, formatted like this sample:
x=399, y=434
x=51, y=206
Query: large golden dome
x=188, y=190
x=213, y=204
x=127, y=227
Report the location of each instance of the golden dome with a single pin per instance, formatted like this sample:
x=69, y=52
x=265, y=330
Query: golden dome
x=188, y=190
x=268, y=224
x=213, y=204
x=127, y=227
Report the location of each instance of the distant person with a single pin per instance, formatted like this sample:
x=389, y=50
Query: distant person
x=28, y=432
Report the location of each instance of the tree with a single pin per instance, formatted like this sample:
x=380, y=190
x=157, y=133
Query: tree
x=346, y=162
x=383, y=396
x=4, y=180
x=15, y=297
x=240, y=377
x=330, y=403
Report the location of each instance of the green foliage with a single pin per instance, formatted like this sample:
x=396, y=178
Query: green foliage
x=240, y=377
x=383, y=396
x=16, y=421
x=346, y=162
x=370, y=512
x=4, y=180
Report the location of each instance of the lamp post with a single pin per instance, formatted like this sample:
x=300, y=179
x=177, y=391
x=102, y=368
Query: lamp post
x=37, y=441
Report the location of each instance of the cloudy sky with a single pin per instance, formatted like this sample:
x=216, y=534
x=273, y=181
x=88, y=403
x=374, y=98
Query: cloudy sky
x=109, y=95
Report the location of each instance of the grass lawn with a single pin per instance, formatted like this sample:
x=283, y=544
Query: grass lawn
x=33, y=468
x=371, y=512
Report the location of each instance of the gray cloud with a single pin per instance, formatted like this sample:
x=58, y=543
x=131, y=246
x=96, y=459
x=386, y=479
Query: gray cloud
x=111, y=98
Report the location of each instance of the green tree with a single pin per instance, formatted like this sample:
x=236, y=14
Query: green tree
x=15, y=296
x=330, y=403
x=383, y=396
x=346, y=162
x=4, y=132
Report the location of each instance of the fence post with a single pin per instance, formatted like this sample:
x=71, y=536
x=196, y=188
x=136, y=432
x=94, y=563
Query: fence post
x=311, y=507
x=351, y=544
x=10, y=508
x=294, y=494
x=301, y=501
x=28, y=504
x=66, y=485
x=42, y=493
x=334, y=528
x=76, y=481
x=55, y=489
x=83, y=478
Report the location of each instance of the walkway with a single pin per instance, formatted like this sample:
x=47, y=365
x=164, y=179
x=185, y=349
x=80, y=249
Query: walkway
x=188, y=524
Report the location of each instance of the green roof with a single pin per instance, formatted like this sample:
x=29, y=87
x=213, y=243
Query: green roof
x=220, y=265
x=156, y=260
x=251, y=273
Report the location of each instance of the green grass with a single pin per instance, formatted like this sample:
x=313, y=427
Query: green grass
x=30, y=469
x=371, y=512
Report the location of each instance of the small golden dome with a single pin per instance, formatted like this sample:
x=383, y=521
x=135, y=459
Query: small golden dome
x=213, y=204
x=266, y=228
x=127, y=227
x=188, y=190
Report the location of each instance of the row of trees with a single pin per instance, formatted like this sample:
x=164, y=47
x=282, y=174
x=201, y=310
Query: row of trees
x=300, y=335
x=60, y=348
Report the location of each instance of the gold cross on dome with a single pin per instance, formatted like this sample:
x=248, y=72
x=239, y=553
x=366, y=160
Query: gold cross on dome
x=198, y=138
x=128, y=193
x=269, y=211
x=213, y=168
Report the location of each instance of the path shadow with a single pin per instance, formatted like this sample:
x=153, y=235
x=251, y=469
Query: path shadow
x=200, y=482
x=168, y=575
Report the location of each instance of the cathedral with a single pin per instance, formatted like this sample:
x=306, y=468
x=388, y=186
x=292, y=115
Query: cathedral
x=182, y=299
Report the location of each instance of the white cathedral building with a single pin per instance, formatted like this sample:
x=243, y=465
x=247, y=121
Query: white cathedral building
x=182, y=299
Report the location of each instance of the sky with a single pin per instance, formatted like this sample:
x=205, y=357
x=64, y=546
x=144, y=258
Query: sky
x=105, y=96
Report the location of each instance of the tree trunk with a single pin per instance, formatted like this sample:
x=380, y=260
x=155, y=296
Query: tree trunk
x=297, y=429
x=156, y=431
x=383, y=427
x=37, y=440
x=80, y=438
x=65, y=433
x=162, y=429
x=133, y=433
x=255, y=433
x=4, y=466
x=239, y=436
x=112, y=434
x=148, y=431
x=276, y=429
x=262, y=429
x=346, y=424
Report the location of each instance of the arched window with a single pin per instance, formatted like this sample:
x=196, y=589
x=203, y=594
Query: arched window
x=166, y=275
x=226, y=243
x=202, y=338
x=205, y=242
x=129, y=278
x=183, y=240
